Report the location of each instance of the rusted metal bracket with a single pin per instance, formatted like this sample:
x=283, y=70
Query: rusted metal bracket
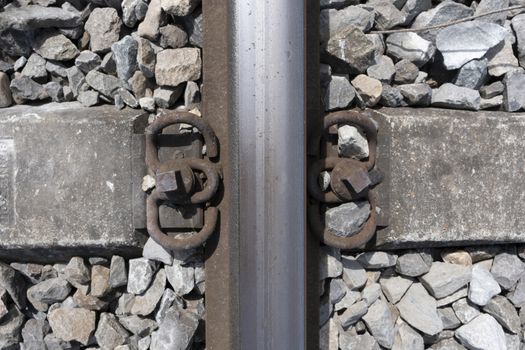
x=350, y=180
x=176, y=181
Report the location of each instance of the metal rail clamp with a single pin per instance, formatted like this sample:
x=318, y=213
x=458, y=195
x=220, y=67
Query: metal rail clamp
x=350, y=180
x=179, y=182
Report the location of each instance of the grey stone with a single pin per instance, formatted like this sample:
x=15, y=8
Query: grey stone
x=380, y=322
x=517, y=295
x=485, y=6
x=371, y=293
x=512, y=341
x=55, y=46
x=192, y=95
x=395, y=287
x=411, y=47
x=154, y=251
x=168, y=299
x=369, y=89
x=377, y=260
x=330, y=265
x=387, y=15
x=181, y=278
x=88, y=301
x=383, y=70
x=334, y=21
x=55, y=91
x=418, y=94
x=193, y=25
x=49, y=291
x=354, y=274
x=357, y=56
x=507, y=269
x=406, y=72
x=172, y=36
x=110, y=333
x=127, y=98
x=76, y=271
x=165, y=97
x=492, y=90
x=449, y=318
x=419, y=310
x=503, y=60
x=175, y=66
x=20, y=63
x=35, y=68
x=138, y=325
x=456, y=256
x=462, y=293
x=72, y=324
x=339, y=93
x=35, y=330
x=140, y=85
x=146, y=58
x=100, y=281
x=10, y=329
x=141, y=272
x=391, y=97
x=103, y=26
x=76, y=79
x=464, y=42
x=465, y=311
x=149, y=28
x=361, y=341
x=444, y=279
x=88, y=98
x=412, y=8
x=513, y=100
x=13, y=283
x=350, y=298
x=452, y=96
x=125, y=56
x=33, y=272
x=6, y=67
x=445, y=12
x=147, y=104
x=5, y=93
x=351, y=143
x=482, y=286
x=347, y=219
x=504, y=312
x=98, y=260
x=146, y=303
x=494, y=102
x=33, y=16
x=179, y=8
x=129, y=15
x=413, y=264
x=353, y=314
x=483, y=333
x=108, y=64
x=472, y=75
x=337, y=290
x=407, y=338
x=518, y=24
x=106, y=84
x=118, y=275
x=87, y=61
x=378, y=44
x=125, y=303
x=176, y=331
x=447, y=344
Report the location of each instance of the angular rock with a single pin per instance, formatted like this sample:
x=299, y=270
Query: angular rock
x=10, y=329
x=362, y=341
x=406, y=72
x=452, y=96
x=127, y=98
x=507, y=269
x=347, y=219
x=106, y=84
x=168, y=299
x=351, y=49
x=485, y=6
x=354, y=274
x=50, y=291
x=383, y=70
x=412, y=8
x=88, y=302
x=33, y=272
x=35, y=330
x=339, y=93
x=146, y=57
x=371, y=293
x=472, y=75
x=377, y=260
x=175, y=66
x=20, y=63
x=418, y=94
x=147, y=104
x=444, y=279
x=55, y=91
x=465, y=311
x=387, y=16
x=35, y=68
x=337, y=290
x=172, y=37
x=483, y=333
x=413, y=264
x=55, y=46
x=154, y=251
x=351, y=142
x=125, y=303
x=87, y=61
x=513, y=99
x=193, y=25
x=138, y=325
x=330, y=265
x=502, y=61
x=488, y=103
x=518, y=24
x=517, y=295
x=380, y=322
x=334, y=21
x=369, y=89
x=407, y=338
x=391, y=97
x=447, y=344
x=411, y=47
x=110, y=333
x=176, y=331
x=445, y=12
x=350, y=298
x=76, y=79
x=141, y=271
x=88, y=98
x=33, y=16
x=482, y=286
x=118, y=275
x=149, y=28
x=100, y=281
x=72, y=324
x=192, y=95
x=462, y=293
x=504, y=312
x=108, y=64
x=76, y=271
x=449, y=318
x=353, y=314
x=145, y=304
x=419, y=310
x=125, y=56
x=464, y=42
x=395, y=287
x=103, y=26
x=129, y=16
x=492, y=90
x=181, y=278
x=179, y=8
x=6, y=99
x=456, y=256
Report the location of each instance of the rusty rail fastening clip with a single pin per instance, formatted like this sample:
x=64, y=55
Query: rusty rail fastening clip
x=349, y=180
x=175, y=180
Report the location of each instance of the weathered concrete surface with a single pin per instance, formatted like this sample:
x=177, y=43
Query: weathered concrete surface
x=452, y=177
x=66, y=183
